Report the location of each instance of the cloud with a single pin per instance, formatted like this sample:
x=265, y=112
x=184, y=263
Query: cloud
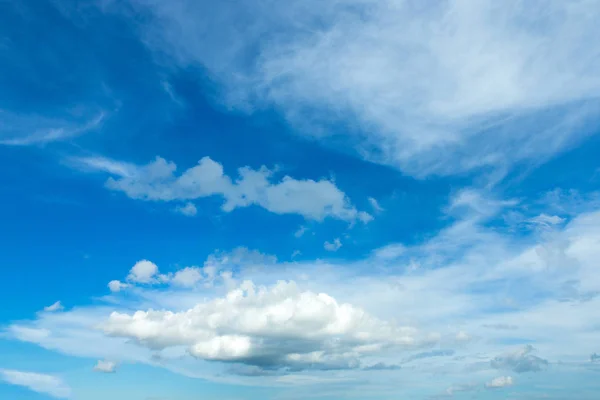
x=187, y=277
x=594, y=357
x=520, y=361
x=189, y=209
x=390, y=69
x=117, y=286
x=106, y=367
x=41, y=383
x=27, y=130
x=500, y=382
x=382, y=367
x=143, y=271
x=375, y=205
x=276, y=327
x=158, y=181
x=475, y=277
x=333, y=246
x=54, y=307
x=301, y=231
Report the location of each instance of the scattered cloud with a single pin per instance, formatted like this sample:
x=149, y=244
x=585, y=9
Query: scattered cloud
x=189, y=210
x=157, y=181
x=375, y=205
x=500, y=382
x=41, y=383
x=301, y=231
x=107, y=367
x=117, y=286
x=333, y=246
x=594, y=357
x=520, y=361
x=54, y=307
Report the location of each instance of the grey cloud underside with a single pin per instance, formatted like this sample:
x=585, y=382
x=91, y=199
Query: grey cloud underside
x=520, y=361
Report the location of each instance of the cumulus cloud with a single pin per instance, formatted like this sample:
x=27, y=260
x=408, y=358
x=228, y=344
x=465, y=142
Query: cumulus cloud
x=187, y=277
x=117, y=286
x=276, y=327
x=391, y=68
x=105, y=366
x=41, y=383
x=521, y=360
x=143, y=271
x=375, y=205
x=158, y=181
x=54, y=307
x=500, y=382
x=333, y=246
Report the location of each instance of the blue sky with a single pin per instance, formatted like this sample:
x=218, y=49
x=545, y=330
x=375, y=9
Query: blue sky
x=310, y=199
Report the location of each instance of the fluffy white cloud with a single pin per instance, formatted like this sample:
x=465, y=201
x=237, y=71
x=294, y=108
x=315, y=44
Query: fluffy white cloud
x=187, y=277
x=54, y=307
x=437, y=88
x=333, y=246
x=41, y=383
x=105, y=366
x=480, y=287
x=272, y=327
x=500, y=382
x=117, y=286
x=157, y=181
x=143, y=271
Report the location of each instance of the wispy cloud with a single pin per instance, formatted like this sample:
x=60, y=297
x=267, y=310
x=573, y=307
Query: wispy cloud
x=439, y=88
x=27, y=130
x=41, y=383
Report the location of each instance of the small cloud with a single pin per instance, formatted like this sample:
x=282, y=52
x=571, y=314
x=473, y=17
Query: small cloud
x=116, y=286
x=54, y=307
x=501, y=327
x=301, y=231
x=460, y=388
x=107, y=367
x=500, y=382
x=189, y=210
x=333, y=246
x=594, y=357
x=546, y=221
x=143, y=271
x=382, y=367
x=296, y=253
x=520, y=361
x=187, y=277
x=375, y=205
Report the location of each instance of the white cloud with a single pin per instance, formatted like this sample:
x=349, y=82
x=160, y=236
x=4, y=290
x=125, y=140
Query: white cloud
x=143, y=271
x=333, y=246
x=28, y=130
x=301, y=231
x=546, y=220
x=117, y=286
x=105, y=366
x=375, y=205
x=41, y=383
x=272, y=327
x=437, y=88
x=479, y=287
x=187, y=277
x=157, y=181
x=189, y=209
x=54, y=307
x=500, y=382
